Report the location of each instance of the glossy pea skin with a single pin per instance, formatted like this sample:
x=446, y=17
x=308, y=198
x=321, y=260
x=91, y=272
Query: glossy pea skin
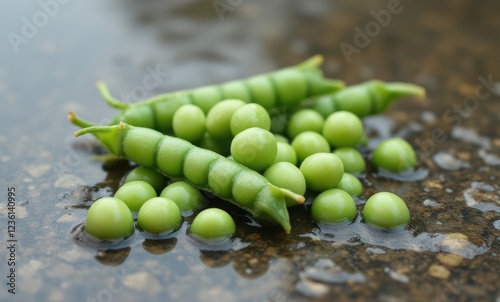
x=135, y=193
x=281, y=138
x=333, y=206
x=386, y=210
x=219, y=118
x=322, y=171
x=350, y=184
x=254, y=148
x=285, y=153
x=213, y=225
x=308, y=143
x=248, y=116
x=159, y=215
x=188, y=198
x=305, y=120
x=394, y=155
x=157, y=180
x=288, y=176
x=109, y=218
x=189, y=123
x=351, y=158
x=343, y=129
x=325, y=105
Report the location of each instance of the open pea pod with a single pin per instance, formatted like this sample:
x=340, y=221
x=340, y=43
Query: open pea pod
x=367, y=98
x=207, y=170
x=284, y=87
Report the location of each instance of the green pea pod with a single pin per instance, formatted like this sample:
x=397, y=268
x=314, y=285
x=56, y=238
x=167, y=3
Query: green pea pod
x=284, y=87
x=205, y=169
x=367, y=98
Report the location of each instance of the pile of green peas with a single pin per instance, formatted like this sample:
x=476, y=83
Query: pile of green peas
x=317, y=156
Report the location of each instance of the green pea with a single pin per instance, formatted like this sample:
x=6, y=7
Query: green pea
x=255, y=148
x=333, y=206
x=285, y=153
x=146, y=153
x=219, y=118
x=157, y=180
x=324, y=105
x=308, y=143
x=386, y=210
x=350, y=184
x=135, y=193
x=281, y=138
x=288, y=176
x=109, y=218
x=351, y=158
x=171, y=160
x=394, y=155
x=197, y=164
x=322, y=171
x=250, y=115
x=235, y=90
x=305, y=120
x=206, y=97
x=343, y=129
x=189, y=123
x=246, y=186
x=290, y=85
x=213, y=225
x=221, y=175
x=262, y=90
x=159, y=215
x=186, y=197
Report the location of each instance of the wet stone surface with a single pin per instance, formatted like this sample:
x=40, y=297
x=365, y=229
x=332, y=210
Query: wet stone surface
x=449, y=252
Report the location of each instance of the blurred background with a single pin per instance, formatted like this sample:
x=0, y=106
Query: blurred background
x=53, y=51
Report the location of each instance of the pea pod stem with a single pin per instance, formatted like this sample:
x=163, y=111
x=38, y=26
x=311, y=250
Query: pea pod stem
x=104, y=91
x=207, y=170
x=79, y=121
x=398, y=90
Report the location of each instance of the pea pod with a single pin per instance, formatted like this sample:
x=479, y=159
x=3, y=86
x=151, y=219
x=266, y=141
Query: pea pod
x=367, y=98
x=284, y=87
x=207, y=170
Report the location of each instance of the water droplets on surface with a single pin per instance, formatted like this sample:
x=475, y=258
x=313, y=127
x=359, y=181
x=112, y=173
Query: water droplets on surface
x=470, y=136
x=482, y=196
x=431, y=203
x=447, y=161
x=489, y=158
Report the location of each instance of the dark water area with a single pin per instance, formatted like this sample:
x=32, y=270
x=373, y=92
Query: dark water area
x=53, y=52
